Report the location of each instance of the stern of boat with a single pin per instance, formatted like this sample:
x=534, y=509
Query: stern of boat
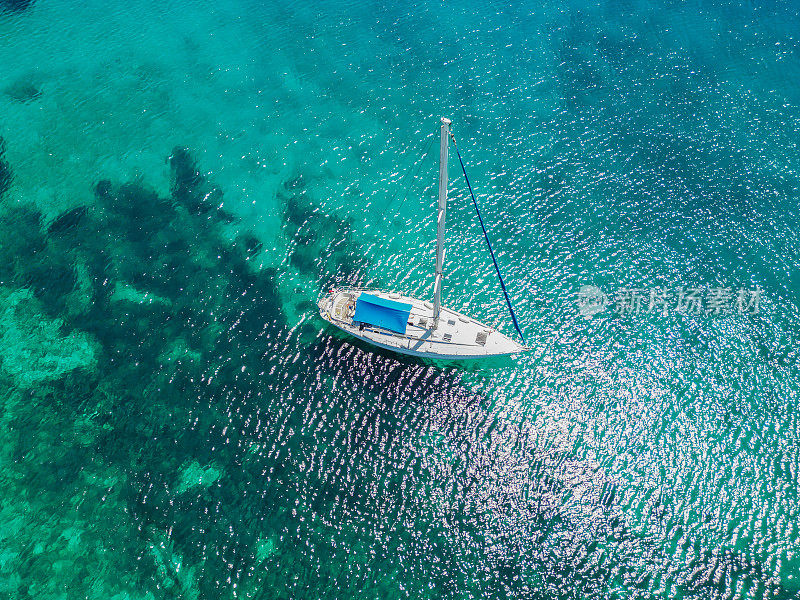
x=338, y=306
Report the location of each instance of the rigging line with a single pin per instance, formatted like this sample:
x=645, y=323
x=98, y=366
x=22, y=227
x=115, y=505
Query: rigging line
x=488, y=243
x=405, y=181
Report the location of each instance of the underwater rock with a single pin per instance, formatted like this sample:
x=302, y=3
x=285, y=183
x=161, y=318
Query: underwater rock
x=251, y=244
x=50, y=275
x=131, y=304
x=178, y=579
x=29, y=260
x=57, y=521
x=34, y=348
x=322, y=243
x=103, y=189
x=67, y=221
x=161, y=297
x=14, y=5
x=5, y=169
x=24, y=239
x=23, y=91
x=139, y=207
x=189, y=187
x=161, y=273
x=296, y=183
x=186, y=176
x=225, y=217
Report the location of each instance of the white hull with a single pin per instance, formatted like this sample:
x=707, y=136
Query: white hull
x=455, y=337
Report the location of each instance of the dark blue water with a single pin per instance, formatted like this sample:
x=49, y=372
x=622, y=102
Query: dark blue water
x=180, y=181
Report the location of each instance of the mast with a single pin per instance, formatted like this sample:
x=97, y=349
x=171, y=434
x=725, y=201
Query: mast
x=441, y=212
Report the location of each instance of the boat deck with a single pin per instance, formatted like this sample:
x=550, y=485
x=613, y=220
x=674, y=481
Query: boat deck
x=456, y=336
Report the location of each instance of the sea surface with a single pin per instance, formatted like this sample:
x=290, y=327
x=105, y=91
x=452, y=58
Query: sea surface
x=180, y=181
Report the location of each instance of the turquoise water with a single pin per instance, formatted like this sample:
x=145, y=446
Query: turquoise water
x=179, y=181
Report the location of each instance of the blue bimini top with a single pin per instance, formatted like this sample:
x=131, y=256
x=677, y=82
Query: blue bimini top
x=382, y=312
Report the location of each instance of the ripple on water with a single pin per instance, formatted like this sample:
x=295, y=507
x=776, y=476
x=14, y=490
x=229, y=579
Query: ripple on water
x=179, y=424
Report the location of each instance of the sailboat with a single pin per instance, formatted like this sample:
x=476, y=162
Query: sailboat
x=407, y=325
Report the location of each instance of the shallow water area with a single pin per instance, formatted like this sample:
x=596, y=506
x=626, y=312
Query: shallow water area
x=180, y=181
